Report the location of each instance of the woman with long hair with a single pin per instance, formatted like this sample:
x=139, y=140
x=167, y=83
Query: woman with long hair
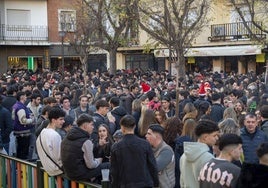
x=104, y=145
x=160, y=116
x=230, y=113
x=187, y=135
x=189, y=111
x=147, y=118
x=167, y=106
x=173, y=129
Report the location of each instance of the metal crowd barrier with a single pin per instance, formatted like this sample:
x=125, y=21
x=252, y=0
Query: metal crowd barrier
x=17, y=173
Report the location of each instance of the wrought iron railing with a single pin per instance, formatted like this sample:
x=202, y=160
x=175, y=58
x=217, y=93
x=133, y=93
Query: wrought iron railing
x=23, y=33
x=235, y=31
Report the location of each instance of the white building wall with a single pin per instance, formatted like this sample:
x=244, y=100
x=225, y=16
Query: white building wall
x=38, y=9
x=2, y=12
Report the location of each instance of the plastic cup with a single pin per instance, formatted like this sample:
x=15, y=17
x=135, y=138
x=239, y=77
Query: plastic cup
x=105, y=174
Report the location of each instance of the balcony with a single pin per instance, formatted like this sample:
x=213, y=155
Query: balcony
x=32, y=33
x=234, y=32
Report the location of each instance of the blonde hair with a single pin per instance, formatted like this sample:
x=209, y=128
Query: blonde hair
x=188, y=129
x=228, y=126
x=230, y=113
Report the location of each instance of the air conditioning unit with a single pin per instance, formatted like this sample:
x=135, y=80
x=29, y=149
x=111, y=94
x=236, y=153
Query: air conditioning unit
x=218, y=31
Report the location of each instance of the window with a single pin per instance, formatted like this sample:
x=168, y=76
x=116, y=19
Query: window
x=18, y=17
x=67, y=20
x=235, y=16
x=237, y=28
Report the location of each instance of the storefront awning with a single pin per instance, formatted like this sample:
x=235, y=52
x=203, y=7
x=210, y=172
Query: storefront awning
x=216, y=51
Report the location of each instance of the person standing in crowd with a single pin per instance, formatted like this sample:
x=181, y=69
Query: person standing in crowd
x=58, y=95
x=10, y=99
x=117, y=111
x=8, y=102
x=48, y=143
x=6, y=127
x=196, y=154
x=173, y=129
x=163, y=154
x=167, y=106
x=105, y=141
x=101, y=116
x=255, y=175
x=147, y=118
x=128, y=154
x=43, y=120
x=189, y=112
x=66, y=107
x=252, y=137
x=23, y=124
x=187, y=135
x=193, y=90
x=77, y=156
x=217, y=109
x=160, y=116
x=35, y=107
x=183, y=100
x=264, y=119
x=127, y=101
x=230, y=146
x=66, y=126
x=83, y=107
x=46, y=91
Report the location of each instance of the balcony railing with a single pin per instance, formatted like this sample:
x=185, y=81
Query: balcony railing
x=23, y=33
x=235, y=31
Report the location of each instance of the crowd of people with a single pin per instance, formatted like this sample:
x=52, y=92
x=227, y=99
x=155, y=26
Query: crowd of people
x=206, y=130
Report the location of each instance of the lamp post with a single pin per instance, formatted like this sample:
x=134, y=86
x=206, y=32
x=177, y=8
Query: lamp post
x=62, y=35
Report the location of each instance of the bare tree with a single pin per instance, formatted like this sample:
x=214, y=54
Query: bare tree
x=174, y=24
x=114, y=25
x=254, y=11
x=81, y=40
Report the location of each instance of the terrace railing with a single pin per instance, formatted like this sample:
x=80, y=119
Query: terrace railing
x=23, y=33
x=235, y=31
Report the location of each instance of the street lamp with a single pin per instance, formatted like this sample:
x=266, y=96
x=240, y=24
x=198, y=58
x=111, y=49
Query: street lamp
x=62, y=35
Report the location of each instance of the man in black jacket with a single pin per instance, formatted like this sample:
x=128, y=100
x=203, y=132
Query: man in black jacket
x=77, y=155
x=217, y=109
x=10, y=99
x=127, y=101
x=6, y=126
x=117, y=111
x=255, y=175
x=132, y=160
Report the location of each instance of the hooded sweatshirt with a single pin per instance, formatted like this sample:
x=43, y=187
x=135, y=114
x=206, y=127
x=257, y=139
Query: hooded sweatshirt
x=77, y=155
x=195, y=156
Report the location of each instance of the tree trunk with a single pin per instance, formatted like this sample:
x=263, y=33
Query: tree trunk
x=180, y=67
x=113, y=60
x=84, y=65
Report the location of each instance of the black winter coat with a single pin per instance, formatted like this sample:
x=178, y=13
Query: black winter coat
x=133, y=164
x=216, y=113
x=253, y=176
x=72, y=155
x=6, y=125
x=118, y=113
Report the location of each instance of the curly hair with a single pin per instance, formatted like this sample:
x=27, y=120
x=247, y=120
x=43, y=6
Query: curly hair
x=173, y=128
